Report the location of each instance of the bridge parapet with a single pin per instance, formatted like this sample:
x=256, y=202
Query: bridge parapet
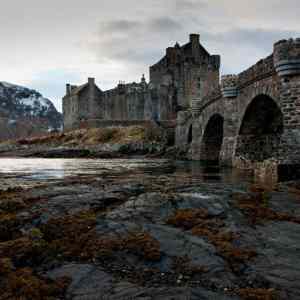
x=287, y=57
x=229, y=86
x=262, y=69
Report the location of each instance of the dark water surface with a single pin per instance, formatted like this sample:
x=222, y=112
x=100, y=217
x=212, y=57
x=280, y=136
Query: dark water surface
x=40, y=170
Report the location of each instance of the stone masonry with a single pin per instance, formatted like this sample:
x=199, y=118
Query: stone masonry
x=184, y=73
x=250, y=120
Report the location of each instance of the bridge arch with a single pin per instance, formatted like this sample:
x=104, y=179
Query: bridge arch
x=212, y=139
x=261, y=127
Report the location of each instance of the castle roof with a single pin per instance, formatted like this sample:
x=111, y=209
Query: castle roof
x=79, y=89
x=185, y=51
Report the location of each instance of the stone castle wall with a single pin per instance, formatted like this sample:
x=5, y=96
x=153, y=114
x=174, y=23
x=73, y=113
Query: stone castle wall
x=185, y=73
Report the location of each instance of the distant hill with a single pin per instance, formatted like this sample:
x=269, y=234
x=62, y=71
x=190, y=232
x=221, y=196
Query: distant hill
x=25, y=112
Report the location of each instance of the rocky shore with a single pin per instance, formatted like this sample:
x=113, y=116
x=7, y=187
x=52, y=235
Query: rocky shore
x=114, y=142
x=156, y=235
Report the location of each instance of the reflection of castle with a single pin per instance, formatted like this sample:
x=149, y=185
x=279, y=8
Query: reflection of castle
x=185, y=73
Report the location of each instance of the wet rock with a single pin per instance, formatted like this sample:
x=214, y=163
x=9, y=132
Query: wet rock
x=148, y=206
x=90, y=282
x=71, y=200
x=279, y=256
x=144, y=235
x=175, y=243
x=215, y=206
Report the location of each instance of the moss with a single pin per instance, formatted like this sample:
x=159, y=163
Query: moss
x=36, y=234
x=258, y=294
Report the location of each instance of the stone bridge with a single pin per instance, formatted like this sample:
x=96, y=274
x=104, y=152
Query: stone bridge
x=253, y=119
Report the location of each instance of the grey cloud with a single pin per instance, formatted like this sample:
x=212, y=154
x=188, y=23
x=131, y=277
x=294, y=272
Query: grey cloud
x=190, y=4
x=242, y=47
x=150, y=25
x=119, y=26
x=164, y=24
x=146, y=46
x=134, y=41
x=259, y=38
x=40, y=35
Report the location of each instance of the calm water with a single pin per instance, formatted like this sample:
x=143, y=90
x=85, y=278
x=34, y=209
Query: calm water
x=39, y=170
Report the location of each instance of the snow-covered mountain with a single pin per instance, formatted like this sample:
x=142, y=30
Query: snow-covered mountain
x=25, y=112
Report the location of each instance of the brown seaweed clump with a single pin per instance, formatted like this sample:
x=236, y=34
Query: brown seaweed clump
x=201, y=224
x=258, y=294
x=9, y=226
x=224, y=243
x=144, y=245
x=75, y=237
x=255, y=206
x=188, y=218
x=24, y=284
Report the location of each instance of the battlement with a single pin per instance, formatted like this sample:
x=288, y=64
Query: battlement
x=287, y=57
x=263, y=68
x=127, y=88
x=229, y=85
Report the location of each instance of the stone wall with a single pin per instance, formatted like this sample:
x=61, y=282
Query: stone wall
x=190, y=69
x=253, y=134
x=185, y=73
x=126, y=102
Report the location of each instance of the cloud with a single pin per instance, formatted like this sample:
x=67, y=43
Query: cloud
x=45, y=44
x=242, y=47
x=133, y=41
x=188, y=5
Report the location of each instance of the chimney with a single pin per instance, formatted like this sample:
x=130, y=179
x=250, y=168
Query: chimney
x=91, y=80
x=194, y=39
x=171, y=55
x=169, y=51
x=68, y=89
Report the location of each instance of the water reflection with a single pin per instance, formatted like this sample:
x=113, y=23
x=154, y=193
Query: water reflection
x=46, y=169
x=59, y=168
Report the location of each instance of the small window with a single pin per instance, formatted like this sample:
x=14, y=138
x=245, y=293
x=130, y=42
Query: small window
x=199, y=83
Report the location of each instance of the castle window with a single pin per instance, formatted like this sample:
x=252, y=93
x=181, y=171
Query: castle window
x=199, y=83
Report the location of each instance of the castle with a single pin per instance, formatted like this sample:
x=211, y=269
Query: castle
x=185, y=73
x=250, y=120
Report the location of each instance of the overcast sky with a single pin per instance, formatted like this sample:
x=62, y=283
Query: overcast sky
x=45, y=44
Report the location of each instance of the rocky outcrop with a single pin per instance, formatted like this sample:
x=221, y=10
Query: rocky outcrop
x=25, y=112
x=131, y=234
